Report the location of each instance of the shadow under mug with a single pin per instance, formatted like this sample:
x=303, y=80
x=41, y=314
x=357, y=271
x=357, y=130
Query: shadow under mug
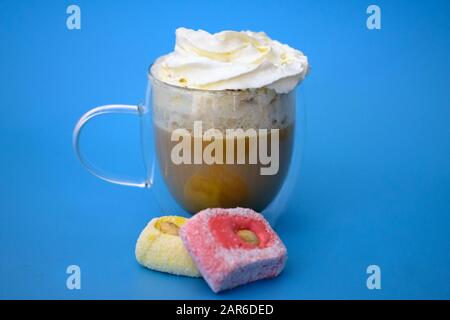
x=204, y=148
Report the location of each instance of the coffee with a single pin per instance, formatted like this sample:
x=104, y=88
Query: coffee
x=262, y=118
x=199, y=186
x=238, y=82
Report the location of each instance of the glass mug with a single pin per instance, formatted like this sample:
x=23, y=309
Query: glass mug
x=203, y=149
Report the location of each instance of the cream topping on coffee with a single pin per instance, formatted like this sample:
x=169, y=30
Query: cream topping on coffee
x=231, y=60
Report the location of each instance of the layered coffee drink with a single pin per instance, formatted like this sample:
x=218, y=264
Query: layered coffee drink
x=224, y=117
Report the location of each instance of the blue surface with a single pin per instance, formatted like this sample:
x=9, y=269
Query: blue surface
x=374, y=188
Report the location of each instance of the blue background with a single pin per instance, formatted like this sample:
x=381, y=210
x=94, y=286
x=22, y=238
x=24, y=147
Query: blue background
x=375, y=182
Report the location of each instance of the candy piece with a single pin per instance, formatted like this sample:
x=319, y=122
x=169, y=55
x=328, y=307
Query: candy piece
x=160, y=248
x=231, y=247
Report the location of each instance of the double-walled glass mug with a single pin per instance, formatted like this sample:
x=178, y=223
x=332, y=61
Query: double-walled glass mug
x=205, y=149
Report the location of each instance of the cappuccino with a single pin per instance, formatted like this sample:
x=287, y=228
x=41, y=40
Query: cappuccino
x=224, y=117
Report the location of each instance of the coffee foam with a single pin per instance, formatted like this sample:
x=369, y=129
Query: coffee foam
x=175, y=107
x=231, y=60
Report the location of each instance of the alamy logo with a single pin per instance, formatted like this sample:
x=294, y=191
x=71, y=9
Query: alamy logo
x=374, y=279
x=74, y=279
x=374, y=20
x=233, y=140
x=73, y=21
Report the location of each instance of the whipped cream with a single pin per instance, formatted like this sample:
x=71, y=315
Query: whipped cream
x=230, y=60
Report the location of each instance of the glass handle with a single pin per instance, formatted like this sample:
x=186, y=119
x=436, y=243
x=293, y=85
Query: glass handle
x=116, y=108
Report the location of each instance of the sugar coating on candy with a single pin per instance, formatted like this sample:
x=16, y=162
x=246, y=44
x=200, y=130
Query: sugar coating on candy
x=223, y=246
x=160, y=248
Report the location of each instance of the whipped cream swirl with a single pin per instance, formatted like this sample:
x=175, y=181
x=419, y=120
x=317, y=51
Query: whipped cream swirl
x=230, y=60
